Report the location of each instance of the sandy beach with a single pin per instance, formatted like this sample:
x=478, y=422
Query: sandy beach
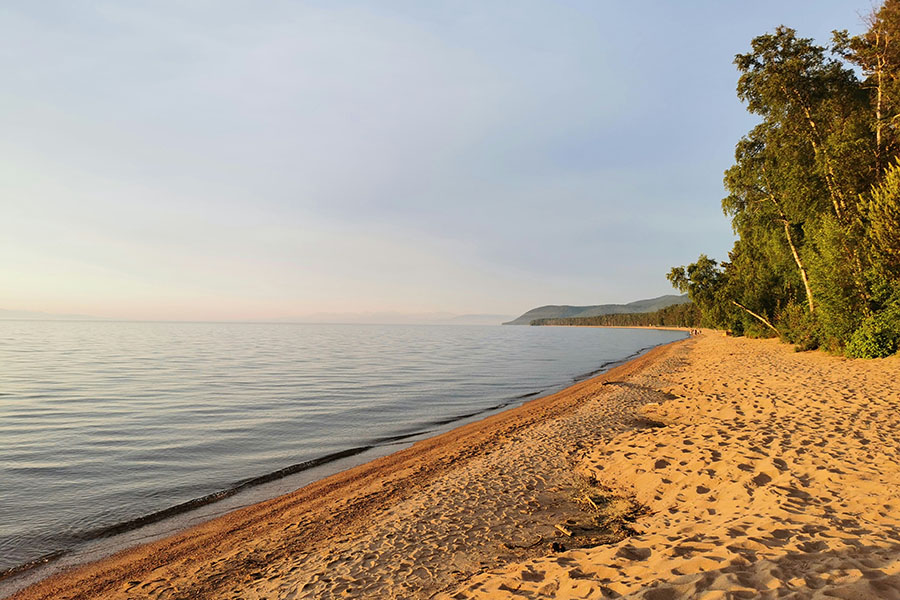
x=715, y=467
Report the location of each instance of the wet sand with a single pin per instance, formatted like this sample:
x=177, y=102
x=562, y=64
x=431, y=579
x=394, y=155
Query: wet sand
x=731, y=468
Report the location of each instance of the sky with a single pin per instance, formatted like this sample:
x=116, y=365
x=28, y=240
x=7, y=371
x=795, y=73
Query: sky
x=217, y=160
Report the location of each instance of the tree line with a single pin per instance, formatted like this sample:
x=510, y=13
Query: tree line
x=813, y=195
x=678, y=315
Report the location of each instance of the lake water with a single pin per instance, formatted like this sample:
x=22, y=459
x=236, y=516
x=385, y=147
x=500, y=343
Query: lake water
x=103, y=423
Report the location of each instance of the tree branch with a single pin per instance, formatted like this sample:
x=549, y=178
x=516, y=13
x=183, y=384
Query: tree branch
x=762, y=319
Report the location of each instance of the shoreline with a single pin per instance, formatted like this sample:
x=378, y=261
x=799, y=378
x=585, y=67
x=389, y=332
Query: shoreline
x=728, y=467
x=35, y=578
x=59, y=543
x=654, y=327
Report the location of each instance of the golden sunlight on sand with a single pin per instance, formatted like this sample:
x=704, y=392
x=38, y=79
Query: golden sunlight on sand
x=777, y=475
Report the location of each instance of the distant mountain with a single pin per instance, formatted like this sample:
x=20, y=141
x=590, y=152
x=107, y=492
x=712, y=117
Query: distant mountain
x=566, y=311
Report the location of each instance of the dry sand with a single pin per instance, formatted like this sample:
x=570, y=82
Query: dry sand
x=777, y=474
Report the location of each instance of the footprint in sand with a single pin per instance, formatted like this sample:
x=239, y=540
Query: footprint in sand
x=630, y=552
x=761, y=479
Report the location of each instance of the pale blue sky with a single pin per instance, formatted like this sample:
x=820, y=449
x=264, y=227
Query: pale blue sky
x=222, y=159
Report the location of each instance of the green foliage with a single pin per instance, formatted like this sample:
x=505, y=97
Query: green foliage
x=812, y=108
x=883, y=215
x=813, y=196
x=879, y=334
x=703, y=282
x=877, y=53
x=760, y=279
x=877, y=337
x=798, y=326
x=841, y=306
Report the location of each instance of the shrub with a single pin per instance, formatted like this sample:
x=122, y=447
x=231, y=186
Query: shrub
x=877, y=337
x=798, y=326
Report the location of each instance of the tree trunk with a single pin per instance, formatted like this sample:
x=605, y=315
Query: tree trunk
x=837, y=199
x=878, y=117
x=879, y=78
x=790, y=240
x=761, y=318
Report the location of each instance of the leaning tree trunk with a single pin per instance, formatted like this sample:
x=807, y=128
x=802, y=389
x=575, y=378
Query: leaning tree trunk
x=790, y=240
x=759, y=317
x=803, y=276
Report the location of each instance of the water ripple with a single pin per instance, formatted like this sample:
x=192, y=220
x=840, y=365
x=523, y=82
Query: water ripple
x=109, y=423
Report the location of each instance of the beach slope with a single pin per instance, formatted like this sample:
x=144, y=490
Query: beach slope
x=411, y=524
x=710, y=468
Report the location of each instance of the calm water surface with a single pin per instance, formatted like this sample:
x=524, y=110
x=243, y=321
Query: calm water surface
x=102, y=423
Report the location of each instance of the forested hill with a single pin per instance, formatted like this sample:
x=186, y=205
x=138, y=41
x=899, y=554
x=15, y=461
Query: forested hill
x=566, y=311
x=814, y=195
x=677, y=315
